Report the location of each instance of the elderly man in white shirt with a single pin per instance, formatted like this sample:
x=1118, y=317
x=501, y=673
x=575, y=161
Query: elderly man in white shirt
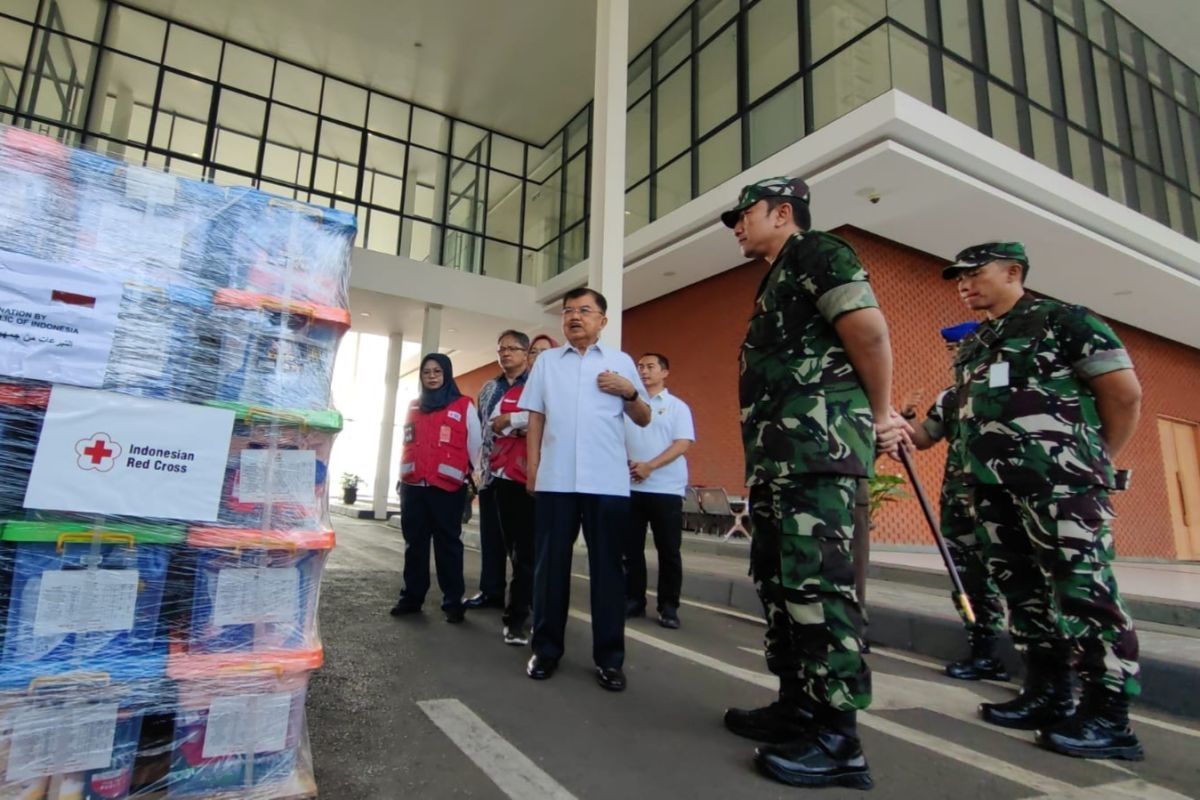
x=578, y=396
x=659, y=475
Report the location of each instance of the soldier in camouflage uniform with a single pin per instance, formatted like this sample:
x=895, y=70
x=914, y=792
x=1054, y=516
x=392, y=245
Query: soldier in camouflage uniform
x=1046, y=397
x=814, y=387
x=959, y=529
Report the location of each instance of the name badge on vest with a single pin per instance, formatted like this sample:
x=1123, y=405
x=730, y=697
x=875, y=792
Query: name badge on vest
x=454, y=415
x=998, y=375
x=408, y=434
x=444, y=434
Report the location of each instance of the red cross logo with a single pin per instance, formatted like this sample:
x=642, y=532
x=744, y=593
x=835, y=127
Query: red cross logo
x=97, y=452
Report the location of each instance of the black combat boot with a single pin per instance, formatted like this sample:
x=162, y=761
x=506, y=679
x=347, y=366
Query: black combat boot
x=788, y=718
x=830, y=755
x=982, y=664
x=1045, y=700
x=1099, y=729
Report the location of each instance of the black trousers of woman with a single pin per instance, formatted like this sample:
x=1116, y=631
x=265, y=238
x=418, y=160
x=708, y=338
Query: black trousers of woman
x=429, y=514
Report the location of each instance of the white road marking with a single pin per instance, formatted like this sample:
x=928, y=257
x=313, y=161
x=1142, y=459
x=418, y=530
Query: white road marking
x=958, y=702
x=924, y=662
x=1139, y=718
x=1124, y=790
x=1001, y=769
x=504, y=764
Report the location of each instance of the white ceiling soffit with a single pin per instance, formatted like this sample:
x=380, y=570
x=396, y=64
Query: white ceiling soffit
x=942, y=186
x=388, y=294
x=522, y=67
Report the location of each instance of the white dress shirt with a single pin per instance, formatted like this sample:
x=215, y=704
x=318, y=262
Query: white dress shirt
x=583, y=441
x=474, y=437
x=670, y=420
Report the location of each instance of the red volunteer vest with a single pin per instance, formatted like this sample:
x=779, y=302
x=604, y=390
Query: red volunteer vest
x=509, y=453
x=435, y=446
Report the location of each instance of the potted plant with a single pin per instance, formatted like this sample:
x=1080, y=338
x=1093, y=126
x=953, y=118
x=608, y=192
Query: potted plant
x=350, y=483
x=885, y=488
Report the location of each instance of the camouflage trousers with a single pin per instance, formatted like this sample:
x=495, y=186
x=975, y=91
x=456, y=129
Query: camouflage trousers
x=1051, y=555
x=966, y=548
x=803, y=571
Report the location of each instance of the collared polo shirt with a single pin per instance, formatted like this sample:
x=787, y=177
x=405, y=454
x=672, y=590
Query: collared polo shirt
x=583, y=440
x=670, y=420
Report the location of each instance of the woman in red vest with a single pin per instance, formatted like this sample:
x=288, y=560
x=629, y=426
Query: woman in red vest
x=442, y=440
x=508, y=462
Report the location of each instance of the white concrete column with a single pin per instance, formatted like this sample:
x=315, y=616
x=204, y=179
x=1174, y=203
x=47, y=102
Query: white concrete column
x=431, y=331
x=121, y=119
x=387, y=427
x=606, y=245
x=122, y=94
x=411, y=177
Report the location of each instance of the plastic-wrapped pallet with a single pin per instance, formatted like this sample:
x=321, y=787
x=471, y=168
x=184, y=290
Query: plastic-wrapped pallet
x=166, y=353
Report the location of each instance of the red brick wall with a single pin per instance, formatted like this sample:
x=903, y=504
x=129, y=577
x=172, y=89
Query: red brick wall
x=700, y=328
x=471, y=382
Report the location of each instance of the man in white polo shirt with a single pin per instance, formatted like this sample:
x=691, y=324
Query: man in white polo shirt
x=659, y=475
x=578, y=396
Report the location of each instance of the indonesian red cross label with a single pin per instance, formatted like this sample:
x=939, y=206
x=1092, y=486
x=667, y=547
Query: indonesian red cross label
x=106, y=453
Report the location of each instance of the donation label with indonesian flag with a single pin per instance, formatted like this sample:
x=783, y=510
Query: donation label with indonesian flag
x=105, y=453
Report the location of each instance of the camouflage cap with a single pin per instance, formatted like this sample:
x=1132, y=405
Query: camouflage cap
x=979, y=254
x=771, y=187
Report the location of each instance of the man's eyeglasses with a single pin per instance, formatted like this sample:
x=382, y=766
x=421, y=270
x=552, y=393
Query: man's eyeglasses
x=583, y=311
x=507, y=349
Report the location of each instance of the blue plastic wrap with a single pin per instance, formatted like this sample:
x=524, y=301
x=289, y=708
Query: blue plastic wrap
x=166, y=353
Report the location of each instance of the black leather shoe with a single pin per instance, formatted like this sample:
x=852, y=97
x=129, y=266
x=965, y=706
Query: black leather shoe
x=778, y=722
x=668, y=617
x=977, y=669
x=824, y=758
x=1099, y=729
x=982, y=663
x=405, y=606
x=455, y=614
x=1030, y=711
x=481, y=600
x=611, y=678
x=540, y=668
x=1034, y=708
x=1044, y=702
x=634, y=609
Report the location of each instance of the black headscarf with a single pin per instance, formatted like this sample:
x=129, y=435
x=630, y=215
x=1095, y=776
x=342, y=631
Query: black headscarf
x=433, y=399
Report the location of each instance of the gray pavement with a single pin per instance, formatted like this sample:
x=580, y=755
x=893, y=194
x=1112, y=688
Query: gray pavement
x=418, y=708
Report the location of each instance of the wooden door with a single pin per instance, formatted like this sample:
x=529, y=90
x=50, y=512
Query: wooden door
x=1181, y=460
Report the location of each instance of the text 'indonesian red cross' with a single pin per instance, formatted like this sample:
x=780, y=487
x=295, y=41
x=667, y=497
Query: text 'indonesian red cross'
x=97, y=452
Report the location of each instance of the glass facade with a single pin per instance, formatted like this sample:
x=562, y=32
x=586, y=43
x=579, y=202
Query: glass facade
x=1069, y=83
x=727, y=84
x=106, y=76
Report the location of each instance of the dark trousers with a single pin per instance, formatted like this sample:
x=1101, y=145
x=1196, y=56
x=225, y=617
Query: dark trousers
x=428, y=513
x=558, y=518
x=516, y=522
x=491, y=545
x=664, y=514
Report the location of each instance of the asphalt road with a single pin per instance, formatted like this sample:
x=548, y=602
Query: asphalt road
x=417, y=708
